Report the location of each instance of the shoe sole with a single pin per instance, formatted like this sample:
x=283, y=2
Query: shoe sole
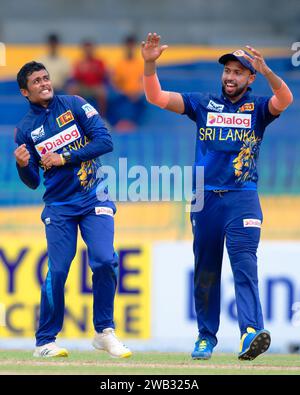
x=126, y=355
x=201, y=358
x=260, y=344
x=61, y=354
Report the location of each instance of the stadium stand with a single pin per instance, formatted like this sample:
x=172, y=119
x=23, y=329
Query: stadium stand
x=279, y=157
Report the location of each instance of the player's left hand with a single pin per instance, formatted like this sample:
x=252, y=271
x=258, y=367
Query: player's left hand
x=257, y=61
x=51, y=159
x=151, y=48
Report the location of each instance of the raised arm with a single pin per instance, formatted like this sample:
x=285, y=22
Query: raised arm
x=151, y=51
x=282, y=97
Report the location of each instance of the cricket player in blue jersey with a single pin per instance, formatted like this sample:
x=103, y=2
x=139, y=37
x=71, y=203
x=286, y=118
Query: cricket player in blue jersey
x=230, y=129
x=64, y=136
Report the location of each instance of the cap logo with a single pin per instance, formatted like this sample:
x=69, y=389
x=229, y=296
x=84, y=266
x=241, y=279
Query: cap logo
x=239, y=52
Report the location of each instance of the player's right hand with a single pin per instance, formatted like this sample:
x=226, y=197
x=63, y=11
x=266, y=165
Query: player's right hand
x=151, y=48
x=22, y=155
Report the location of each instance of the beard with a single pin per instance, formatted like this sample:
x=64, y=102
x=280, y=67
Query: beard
x=237, y=92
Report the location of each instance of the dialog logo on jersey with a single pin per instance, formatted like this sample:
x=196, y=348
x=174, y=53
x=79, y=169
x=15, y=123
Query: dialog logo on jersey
x=225, y=119
x=104, y=210
x=252, y=223
x=58, y=141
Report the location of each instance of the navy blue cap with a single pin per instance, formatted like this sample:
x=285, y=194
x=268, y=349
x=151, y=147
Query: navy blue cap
x=239, y=56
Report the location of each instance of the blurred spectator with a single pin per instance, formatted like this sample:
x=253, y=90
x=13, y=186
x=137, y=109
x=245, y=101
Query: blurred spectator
x=57, y=65
x=127, y=78
x=90, y=77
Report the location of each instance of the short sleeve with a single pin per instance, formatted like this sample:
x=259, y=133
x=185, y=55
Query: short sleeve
x=191, y=103
x=264, y=115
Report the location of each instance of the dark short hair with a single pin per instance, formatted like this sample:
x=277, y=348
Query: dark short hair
x=87, y=42
x=130, y=39
x=53, y=38
x=26, y=71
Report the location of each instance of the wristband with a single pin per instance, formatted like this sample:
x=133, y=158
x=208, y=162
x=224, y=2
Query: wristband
x=282, y=98
x=153, y=91
x=63, y=161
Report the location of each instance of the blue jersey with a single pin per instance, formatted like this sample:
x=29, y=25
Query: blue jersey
x=229, y=136
x=69, y=123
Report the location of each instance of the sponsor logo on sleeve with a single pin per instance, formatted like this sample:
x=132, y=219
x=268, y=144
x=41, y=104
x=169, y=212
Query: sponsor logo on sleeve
x=215, y=106
x=65, y=118
x=104, y=211
x=252, y=223
x=89, y=110
x=37, y=133
x=58, y=141
x=246, y=107
x=224, y=119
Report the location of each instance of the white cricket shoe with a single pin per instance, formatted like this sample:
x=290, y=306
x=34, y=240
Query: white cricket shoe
x=50, y=350
x=108, y=341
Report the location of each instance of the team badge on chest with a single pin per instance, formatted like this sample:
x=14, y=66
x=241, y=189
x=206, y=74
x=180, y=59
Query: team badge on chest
x=65, y=118
x=246, y=107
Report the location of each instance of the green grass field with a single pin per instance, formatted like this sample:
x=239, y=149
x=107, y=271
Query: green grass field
x=147, y=363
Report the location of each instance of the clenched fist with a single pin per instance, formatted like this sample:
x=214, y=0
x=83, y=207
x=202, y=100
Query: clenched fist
x=22, y=155
x=52, y=159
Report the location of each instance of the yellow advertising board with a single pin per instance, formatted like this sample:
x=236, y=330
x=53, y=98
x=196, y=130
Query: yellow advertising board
x=23, y=266
x=15, y=55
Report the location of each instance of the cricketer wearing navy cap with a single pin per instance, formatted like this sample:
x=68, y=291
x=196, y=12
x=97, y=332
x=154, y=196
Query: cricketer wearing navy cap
x=239, y=56
x=230, y=128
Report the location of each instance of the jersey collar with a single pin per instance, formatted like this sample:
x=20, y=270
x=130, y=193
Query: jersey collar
x=38, y=109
